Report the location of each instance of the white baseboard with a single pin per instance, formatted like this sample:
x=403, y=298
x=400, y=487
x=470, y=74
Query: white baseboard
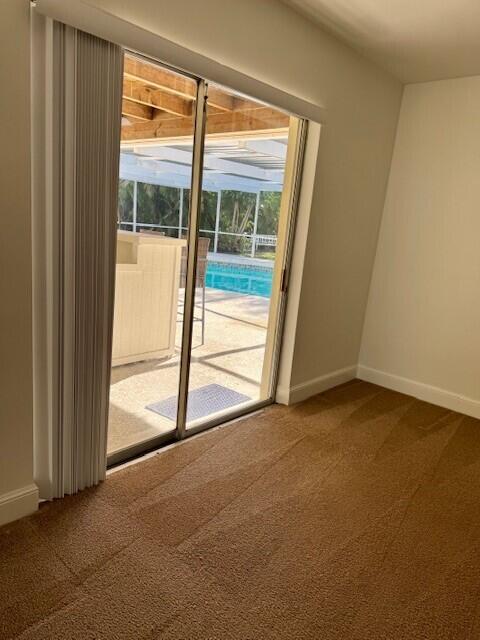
x=18, y=503
x=310, y=388
x=426, y=392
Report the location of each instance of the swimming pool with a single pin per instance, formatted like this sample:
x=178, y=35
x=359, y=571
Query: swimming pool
x=243, y=278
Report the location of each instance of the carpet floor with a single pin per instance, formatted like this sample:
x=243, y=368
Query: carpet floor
x=354, y=515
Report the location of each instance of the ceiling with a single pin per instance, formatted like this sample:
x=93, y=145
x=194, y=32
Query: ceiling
x=416, y=40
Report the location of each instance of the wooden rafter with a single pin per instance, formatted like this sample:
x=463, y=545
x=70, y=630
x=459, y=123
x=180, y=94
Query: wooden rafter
x=135, y=111
x=159, y=78
x=220, y=99
x=228, y=123
x=156, y=99
x=159, y=104
x=168, y=82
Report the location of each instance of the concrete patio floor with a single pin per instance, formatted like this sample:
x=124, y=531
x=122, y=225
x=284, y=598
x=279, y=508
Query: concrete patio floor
x=235, y=333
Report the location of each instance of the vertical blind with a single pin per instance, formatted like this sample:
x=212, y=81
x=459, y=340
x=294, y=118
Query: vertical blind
x=83, y=124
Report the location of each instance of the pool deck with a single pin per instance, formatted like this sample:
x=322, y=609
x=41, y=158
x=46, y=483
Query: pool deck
x=235, y=333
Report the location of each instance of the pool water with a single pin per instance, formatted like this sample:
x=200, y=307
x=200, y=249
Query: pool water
x=249, y=279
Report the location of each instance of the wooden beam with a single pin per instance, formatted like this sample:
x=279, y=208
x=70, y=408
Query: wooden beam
x=159, y=78
x=136, y=111
x=227, y=123
x=168, y=115
x=169, y=82
x=220, y=99
x=140, y=93
x=170, y=103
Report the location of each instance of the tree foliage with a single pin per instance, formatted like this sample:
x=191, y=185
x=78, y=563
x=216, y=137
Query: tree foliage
x=125, y=201
x=158, y=205
x=269, y=213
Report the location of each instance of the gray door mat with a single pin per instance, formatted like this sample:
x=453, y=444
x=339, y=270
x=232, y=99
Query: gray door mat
x=202, y=402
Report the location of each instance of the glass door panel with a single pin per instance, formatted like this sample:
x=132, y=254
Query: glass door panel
x=204, y=221
x=158, y=117
x=241, y=249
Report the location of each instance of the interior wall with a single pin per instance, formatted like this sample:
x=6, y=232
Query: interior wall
x=16, y=460
x=267, y=40
x=422, y=326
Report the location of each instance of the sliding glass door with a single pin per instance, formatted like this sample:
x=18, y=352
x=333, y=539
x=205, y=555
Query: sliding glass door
x=207, y=188
x=158, y=123
x=240, y=256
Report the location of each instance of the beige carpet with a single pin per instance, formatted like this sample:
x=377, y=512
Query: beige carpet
x=355, y=515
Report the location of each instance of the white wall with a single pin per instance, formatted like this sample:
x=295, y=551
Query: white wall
x=16, y=461
x=422, y=327
x=267, y=40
